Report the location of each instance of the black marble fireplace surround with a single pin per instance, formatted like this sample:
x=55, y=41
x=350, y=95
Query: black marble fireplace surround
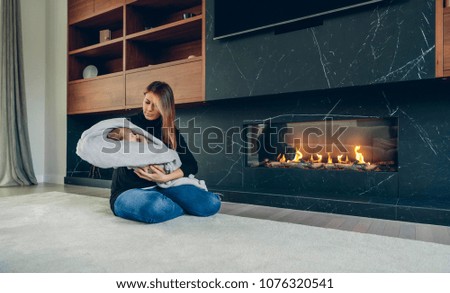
x=371, y=62
x=419, y=191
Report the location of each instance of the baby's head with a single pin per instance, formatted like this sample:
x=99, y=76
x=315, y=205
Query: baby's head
x=123, y=133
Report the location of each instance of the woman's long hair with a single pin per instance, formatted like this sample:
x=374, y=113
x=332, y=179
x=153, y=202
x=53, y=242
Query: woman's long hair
x=166, y=107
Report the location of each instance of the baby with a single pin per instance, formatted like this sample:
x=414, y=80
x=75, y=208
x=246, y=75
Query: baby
x=126, y=134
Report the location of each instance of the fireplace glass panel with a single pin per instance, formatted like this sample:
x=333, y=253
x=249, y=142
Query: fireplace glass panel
x=365, y=145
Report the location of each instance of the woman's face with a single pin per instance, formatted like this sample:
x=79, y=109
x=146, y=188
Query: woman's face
x=149, y=106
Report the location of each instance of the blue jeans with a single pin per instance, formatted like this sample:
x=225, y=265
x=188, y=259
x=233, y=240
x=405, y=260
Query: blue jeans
x=157, y=204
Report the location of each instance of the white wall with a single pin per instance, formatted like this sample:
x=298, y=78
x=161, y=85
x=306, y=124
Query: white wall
x=56, y=91
x=34, y=54
x=44, y=28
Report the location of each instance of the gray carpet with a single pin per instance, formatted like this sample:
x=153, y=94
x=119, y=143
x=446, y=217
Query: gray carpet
x=60, y=232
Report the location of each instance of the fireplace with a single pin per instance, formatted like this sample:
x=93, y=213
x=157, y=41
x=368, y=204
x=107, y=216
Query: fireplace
x=341, y=157
x=360, y=144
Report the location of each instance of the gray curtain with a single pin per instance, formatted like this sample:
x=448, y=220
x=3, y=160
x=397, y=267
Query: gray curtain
x=16, y=166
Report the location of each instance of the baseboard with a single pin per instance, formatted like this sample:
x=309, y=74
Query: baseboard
x=397, y=212
x=88, y=182
x=56, y=179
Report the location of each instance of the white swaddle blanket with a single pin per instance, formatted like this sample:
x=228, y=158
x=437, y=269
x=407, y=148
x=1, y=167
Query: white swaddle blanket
x=96, y=148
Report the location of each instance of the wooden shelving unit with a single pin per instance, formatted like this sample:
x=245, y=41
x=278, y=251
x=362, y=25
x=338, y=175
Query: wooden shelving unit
x=150, y=40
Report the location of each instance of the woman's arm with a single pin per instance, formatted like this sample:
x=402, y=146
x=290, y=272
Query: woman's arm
x=157, y=174
x=188, y=165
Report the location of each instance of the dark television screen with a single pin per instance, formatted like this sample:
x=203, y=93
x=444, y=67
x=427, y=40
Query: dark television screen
x=234, y=17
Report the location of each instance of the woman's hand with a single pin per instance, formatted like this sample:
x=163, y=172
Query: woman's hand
x=156, y=174
x=152, y=173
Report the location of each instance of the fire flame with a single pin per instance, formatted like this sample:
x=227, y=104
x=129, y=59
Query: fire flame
x=298, y=156
x=319, y=159
x=341, y=161
x=359, y=156
x=281, y=158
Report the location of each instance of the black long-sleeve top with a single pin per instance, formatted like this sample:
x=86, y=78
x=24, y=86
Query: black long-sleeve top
x=124, y=179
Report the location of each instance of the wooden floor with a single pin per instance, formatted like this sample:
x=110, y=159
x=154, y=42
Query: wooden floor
x=421, y=232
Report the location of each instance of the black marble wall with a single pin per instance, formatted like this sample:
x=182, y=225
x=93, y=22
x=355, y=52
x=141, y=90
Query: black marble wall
x=389, y=42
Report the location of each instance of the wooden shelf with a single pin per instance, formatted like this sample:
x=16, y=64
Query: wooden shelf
x=108, y=49
x=180, y=31
x=170, y=4
x=96, y=78
x=166, y=64
x=100, y=18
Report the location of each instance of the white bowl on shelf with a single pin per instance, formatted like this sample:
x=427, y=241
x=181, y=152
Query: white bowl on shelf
x=90, y=71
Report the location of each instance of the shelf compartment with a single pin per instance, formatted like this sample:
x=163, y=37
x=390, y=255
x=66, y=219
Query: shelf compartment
x=176, y=41
x=152, y=14
x=87, y=32
x=96, y=78
x=104, y=66
x=144, y=54
x=103, y=94
x=108, y=58
x=185, y=78
x=181, y=31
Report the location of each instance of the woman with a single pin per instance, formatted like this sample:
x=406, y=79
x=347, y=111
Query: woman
x=128, y=198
